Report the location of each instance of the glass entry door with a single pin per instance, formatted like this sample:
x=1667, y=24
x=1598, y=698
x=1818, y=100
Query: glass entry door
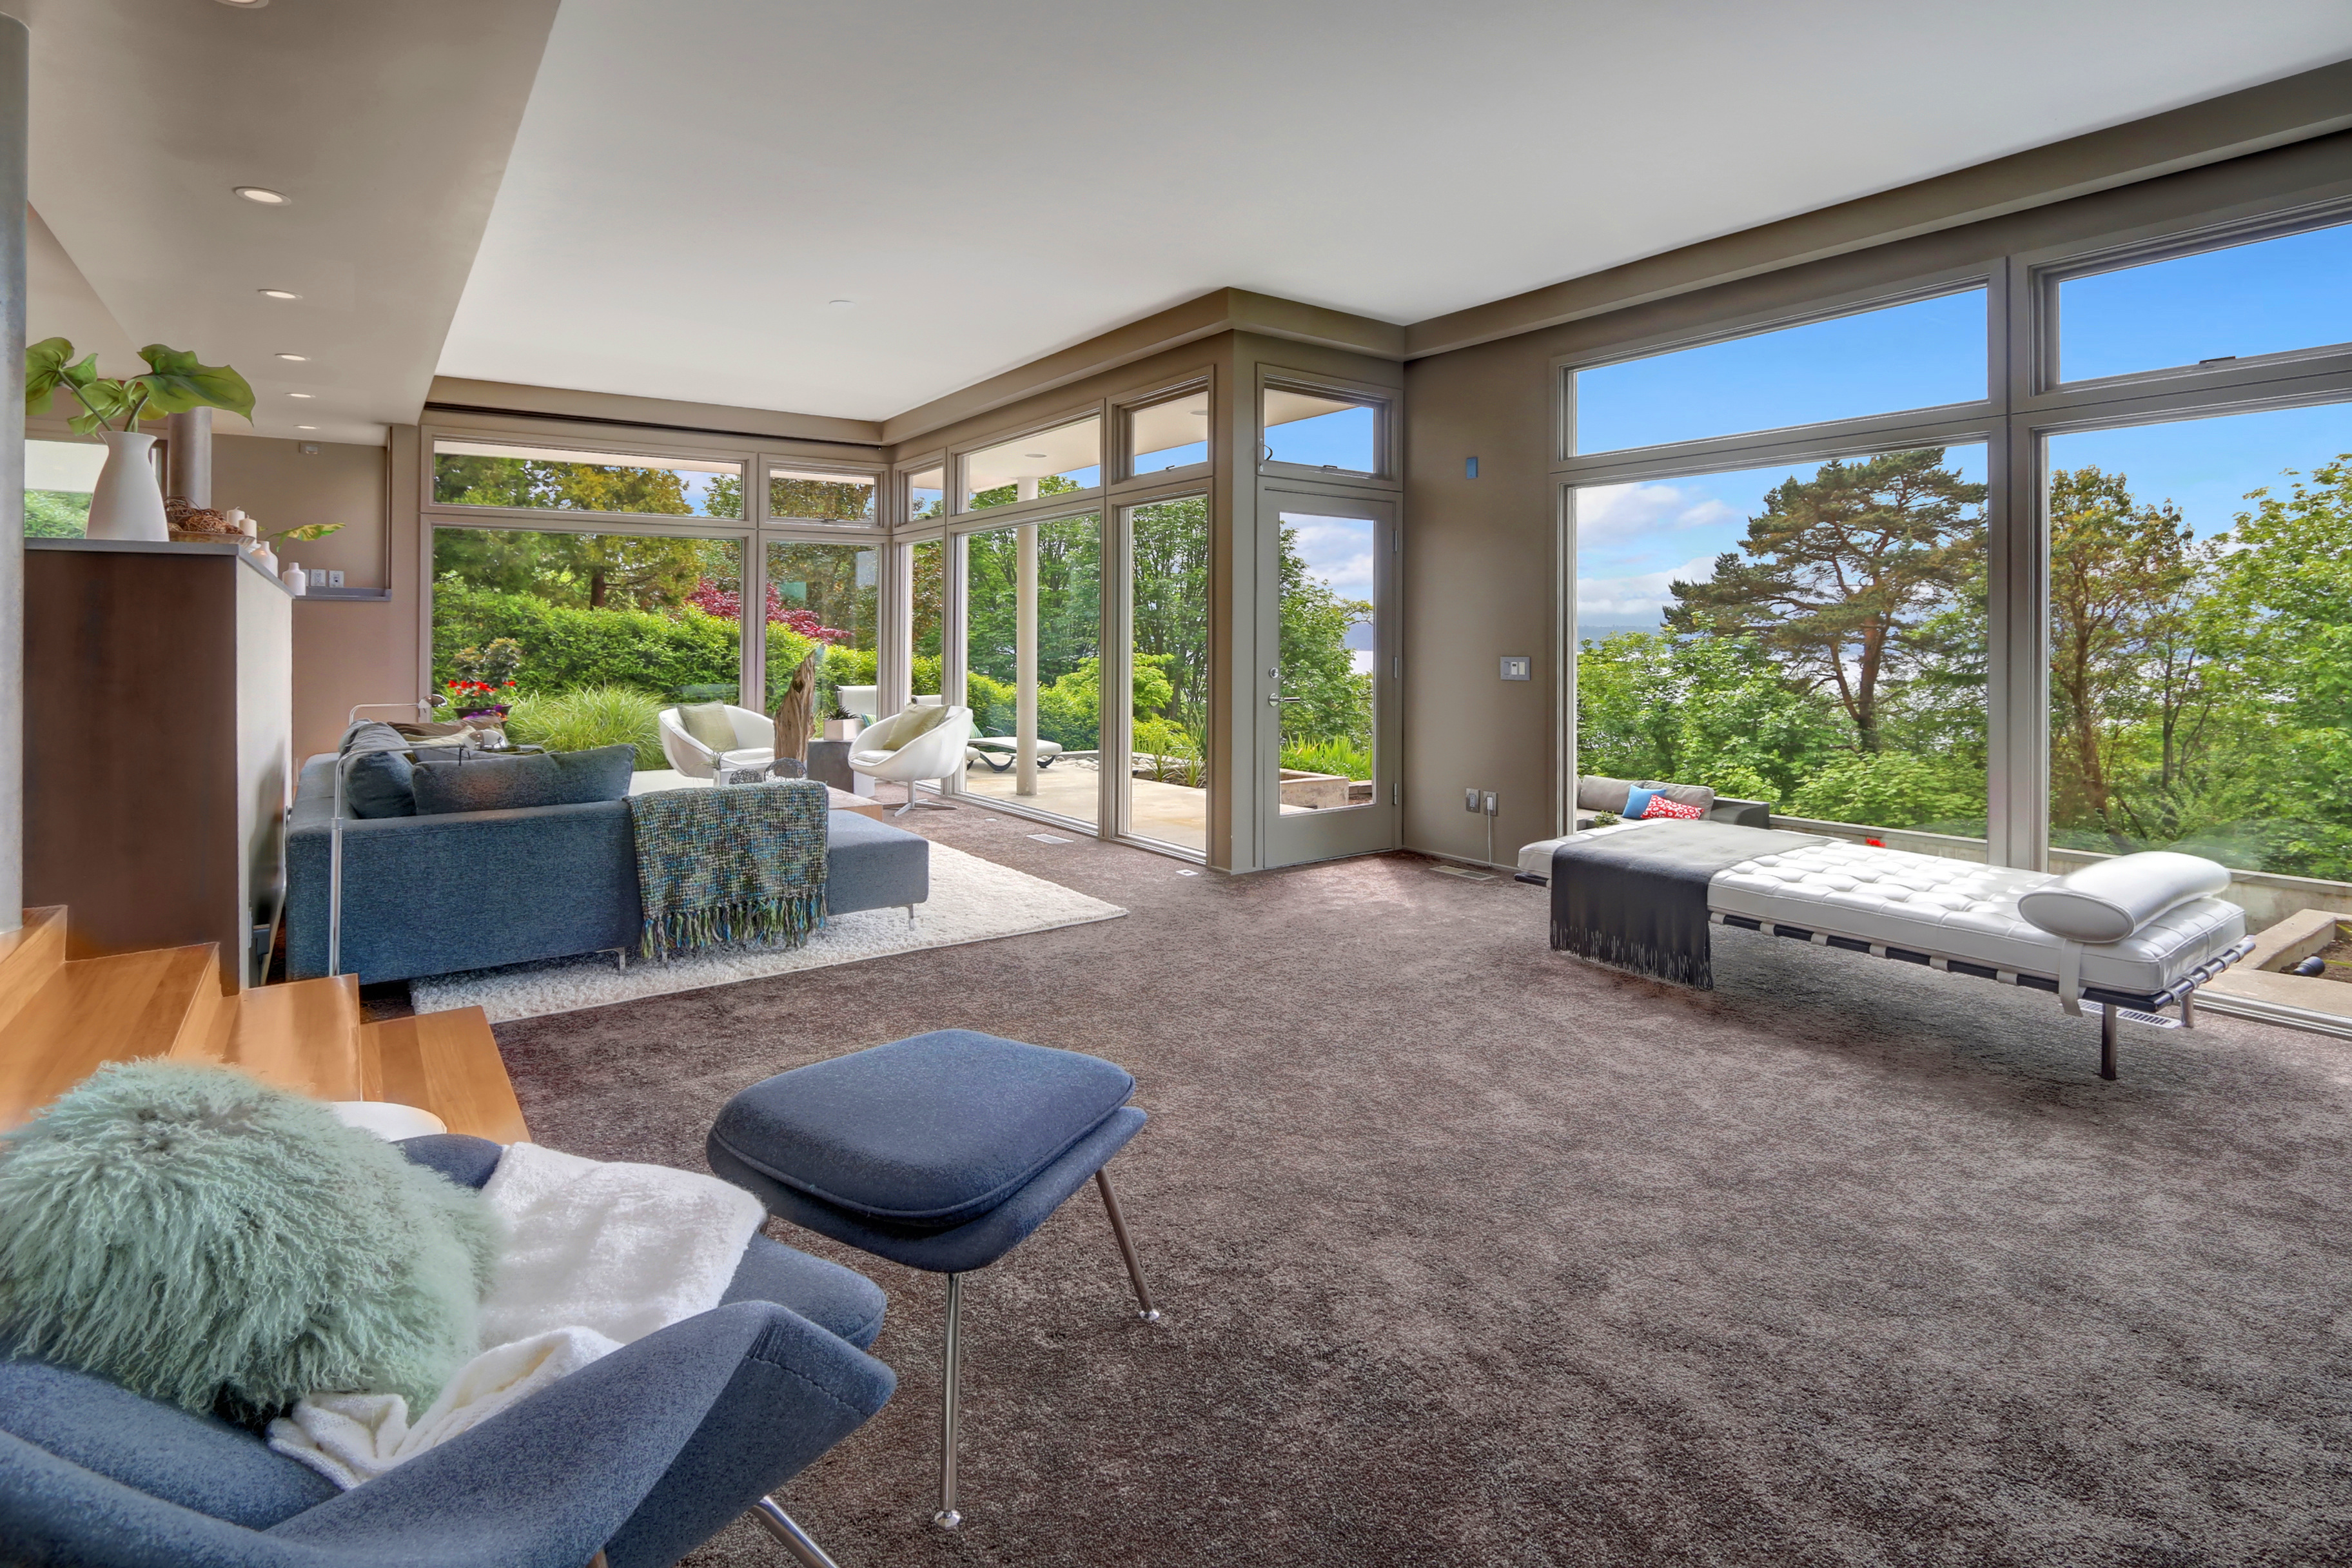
x=1328, y=690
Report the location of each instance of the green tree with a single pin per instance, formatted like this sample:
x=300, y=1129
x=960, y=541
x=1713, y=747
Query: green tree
x=1170, y=569
x=2123, y=579
x=1317, y=665
x=592, y=570
x=1847, y=577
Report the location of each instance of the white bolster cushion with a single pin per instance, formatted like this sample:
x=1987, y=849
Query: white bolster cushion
x=2108, y=901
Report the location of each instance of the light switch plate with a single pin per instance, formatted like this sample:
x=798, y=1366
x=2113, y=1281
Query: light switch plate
x=1470, y=800
x=1518, y=667
x=334, y=579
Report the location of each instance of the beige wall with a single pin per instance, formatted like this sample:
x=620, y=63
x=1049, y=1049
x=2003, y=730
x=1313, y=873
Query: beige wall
x=1482, y=564
x=345, y=652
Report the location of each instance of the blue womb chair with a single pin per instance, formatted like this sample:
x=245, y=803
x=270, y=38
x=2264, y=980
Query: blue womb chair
x=943, y=1152
x=632, y=1461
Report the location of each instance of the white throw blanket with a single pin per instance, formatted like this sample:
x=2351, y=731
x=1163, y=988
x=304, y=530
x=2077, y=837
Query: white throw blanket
x=596, y=1256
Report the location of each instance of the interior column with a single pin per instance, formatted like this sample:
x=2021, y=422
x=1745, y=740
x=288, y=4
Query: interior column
x=16, y=48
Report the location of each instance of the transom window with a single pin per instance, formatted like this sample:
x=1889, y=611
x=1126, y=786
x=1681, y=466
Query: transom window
x=1321, y=430
x=817, y=495
x=497, y=474
x=2238, y=301
x=1925, y=353
x=1050, y=462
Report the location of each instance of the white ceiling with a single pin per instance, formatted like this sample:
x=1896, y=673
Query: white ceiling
x=695, y=180
x=389, y=125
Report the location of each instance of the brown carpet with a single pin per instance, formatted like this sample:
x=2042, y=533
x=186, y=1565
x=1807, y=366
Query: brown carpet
x=1474, y=1254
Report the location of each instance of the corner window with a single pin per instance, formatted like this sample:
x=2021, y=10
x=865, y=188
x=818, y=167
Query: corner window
x=1927, y=354
x=1321, y=430
x=2239, y=301
x=485, y=473
x=1051, y=462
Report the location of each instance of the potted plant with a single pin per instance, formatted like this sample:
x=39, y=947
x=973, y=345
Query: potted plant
x=127, y=502
x=485, y=679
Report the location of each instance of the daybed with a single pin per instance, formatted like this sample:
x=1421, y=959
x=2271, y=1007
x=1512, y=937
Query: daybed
x=2135, y=934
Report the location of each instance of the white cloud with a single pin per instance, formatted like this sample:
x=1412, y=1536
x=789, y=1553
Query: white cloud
x=1336, y=551
x=1607, y=514
x=1642, y=596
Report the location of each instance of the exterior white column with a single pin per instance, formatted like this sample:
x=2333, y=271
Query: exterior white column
x=15, y=50
x=1024, y=656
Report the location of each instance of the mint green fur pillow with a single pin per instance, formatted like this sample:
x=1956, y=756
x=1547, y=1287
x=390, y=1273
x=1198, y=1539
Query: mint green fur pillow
x=200, y=1237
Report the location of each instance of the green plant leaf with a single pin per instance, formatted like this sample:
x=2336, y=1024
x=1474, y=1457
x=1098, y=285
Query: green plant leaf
x=101, y=401
x=175, y=382
x=48, y=364
x=309, y=530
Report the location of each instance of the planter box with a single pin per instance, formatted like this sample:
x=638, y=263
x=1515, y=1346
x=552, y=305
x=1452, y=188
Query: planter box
x=1314, y=792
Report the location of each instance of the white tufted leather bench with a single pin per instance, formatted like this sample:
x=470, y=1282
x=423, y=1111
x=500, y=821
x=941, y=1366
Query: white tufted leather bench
x=1961, y=916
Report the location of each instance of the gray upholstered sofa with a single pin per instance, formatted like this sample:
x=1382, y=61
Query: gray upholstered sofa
x=432, y=895
x=1595, y=795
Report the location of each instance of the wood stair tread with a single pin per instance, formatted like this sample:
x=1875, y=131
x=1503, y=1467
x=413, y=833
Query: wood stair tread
x=99, y=1010
x=447, y=1063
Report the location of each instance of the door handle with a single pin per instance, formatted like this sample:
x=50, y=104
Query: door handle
x=1278, y=701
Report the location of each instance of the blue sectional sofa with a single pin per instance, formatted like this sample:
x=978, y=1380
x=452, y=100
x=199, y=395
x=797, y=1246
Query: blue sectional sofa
x=432, y=895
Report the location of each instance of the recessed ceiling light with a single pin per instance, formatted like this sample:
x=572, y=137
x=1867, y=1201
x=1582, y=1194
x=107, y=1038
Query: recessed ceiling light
x=297, y=394
x=306, y=427
x=245, y=5
x=1038, y=455
x=279, y=294
x=298, y=359
x=264, y=195
x=840, y=304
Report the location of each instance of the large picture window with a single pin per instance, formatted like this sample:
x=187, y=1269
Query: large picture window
x=1812, y=636
x=598, y=632
x=2200, y=636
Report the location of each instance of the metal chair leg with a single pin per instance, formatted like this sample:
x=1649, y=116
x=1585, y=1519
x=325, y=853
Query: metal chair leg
x=1146, y=1310
x=948, y=1518
x=806, y=1552
x=2107, y=1039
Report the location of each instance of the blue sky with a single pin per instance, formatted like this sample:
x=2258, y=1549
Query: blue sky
x=1633, y=539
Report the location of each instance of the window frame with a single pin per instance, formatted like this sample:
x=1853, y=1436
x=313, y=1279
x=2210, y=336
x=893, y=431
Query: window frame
x=960, y=454
x=1386, y=403
x=1987, y=274
x=878, y=475
x=1122, y=413
x=2047, y=270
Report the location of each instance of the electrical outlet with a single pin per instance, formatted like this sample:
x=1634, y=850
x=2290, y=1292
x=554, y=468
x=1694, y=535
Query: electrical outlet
x=317, y=575
x=1470, y=801
x=1492, y=803
x=334, y=579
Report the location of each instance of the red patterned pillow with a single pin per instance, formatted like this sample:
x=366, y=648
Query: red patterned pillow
x=1660, y=806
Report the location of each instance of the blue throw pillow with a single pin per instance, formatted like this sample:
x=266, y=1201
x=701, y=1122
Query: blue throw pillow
x=1637, y=801
x=205, y=1239
x=516, y=783
x=380, y=784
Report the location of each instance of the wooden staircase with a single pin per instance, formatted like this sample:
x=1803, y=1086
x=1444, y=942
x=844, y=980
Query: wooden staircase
x=61, y=1021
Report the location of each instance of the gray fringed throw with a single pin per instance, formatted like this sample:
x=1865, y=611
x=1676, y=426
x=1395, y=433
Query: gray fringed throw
x=1638, y=899
x=742, y=865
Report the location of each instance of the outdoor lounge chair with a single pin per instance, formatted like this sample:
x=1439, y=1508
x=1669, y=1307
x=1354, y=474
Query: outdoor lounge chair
x=1001, y=751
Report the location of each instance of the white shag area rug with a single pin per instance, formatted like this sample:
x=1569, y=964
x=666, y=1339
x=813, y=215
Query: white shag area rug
x=971, y=900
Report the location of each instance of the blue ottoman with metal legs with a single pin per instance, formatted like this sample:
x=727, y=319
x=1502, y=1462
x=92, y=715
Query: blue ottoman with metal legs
x=942, y=1153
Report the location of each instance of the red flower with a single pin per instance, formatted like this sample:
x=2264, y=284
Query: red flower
x=1875, y=843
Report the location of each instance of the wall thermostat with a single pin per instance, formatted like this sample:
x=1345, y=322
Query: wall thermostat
x=1518, y=667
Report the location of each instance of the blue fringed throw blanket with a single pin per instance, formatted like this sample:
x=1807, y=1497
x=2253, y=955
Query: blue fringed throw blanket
x=742, y=865
x=1638, y=899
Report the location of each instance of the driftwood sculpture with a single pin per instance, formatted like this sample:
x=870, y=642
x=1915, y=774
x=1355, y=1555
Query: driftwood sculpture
x=794, y=712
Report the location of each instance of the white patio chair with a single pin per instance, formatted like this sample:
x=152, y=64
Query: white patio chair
x=754, y=748
x=934, y=754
